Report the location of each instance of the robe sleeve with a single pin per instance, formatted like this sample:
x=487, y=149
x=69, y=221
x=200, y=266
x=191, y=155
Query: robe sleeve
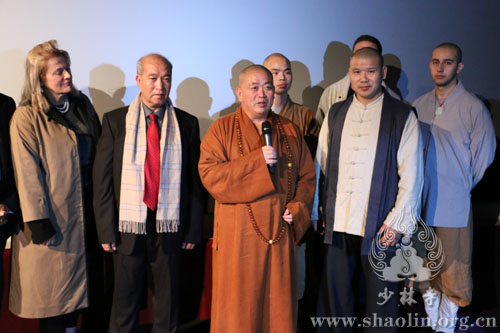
x=197, y=199
x=241, y=180
x=482, y=144
x=320, y=166
x=106, y=214
x=322, y=106
x=301, y=204
x=28, y=167
x=406, y=209
x=313, y=127
x=311, y=131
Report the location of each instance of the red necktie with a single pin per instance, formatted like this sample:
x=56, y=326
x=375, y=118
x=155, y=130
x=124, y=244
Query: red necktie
x=152, y=165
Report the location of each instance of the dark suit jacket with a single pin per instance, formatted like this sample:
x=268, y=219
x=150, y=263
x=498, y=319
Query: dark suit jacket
x=107, y=178
x=8, y=192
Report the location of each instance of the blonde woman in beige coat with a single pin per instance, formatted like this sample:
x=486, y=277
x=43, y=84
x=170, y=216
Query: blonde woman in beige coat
x=53, y=135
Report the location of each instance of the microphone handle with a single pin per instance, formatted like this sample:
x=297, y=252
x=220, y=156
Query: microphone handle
x=268, y=139
x=269, y=142
x=271, y=168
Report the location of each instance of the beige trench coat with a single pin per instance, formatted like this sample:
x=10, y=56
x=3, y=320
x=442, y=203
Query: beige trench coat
x=48, y=281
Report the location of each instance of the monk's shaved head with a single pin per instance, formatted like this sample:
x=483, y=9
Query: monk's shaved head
x=276, y=55
x=251, y=68
x=451, y=46
x=369, y=53
x=255, y=92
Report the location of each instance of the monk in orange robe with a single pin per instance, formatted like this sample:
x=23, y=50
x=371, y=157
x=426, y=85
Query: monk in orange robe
x=258, y=214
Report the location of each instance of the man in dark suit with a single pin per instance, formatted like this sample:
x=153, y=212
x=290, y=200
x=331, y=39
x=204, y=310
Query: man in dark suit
x=148, y=197
x=9, y=201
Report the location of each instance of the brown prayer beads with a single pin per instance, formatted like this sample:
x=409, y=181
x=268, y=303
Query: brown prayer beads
x=289, y=185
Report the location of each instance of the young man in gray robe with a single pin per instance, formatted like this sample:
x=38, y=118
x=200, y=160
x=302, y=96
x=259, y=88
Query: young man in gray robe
x=459, y=144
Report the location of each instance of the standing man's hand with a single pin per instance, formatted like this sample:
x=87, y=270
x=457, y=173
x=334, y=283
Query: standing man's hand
x=287, y=216
x=188, y=246
x=4, y=211
x=390, y=236
x=50, y=241
x=109, y=247
x=319, y=226
x=270, y=154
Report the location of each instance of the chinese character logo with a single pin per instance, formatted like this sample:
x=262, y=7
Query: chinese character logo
x=406, y=263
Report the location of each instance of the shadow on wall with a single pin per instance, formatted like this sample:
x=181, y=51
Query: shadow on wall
x=335, y=65
x=301, y=90
x=233, y=82
x=423, y=90
x=301, y=81
x=13, y=64
x=193, y=96
x=394, y=74
x=106, y=88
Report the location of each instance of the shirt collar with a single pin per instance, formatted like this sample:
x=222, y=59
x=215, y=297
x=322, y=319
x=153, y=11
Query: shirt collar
x=369, y=105
x=148, y=111
x=457, y=91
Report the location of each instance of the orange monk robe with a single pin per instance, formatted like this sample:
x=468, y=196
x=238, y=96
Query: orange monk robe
x=305, y=119
x=254, y=283
x=301, y=116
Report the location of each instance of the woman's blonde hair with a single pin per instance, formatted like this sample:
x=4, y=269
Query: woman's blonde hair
x=36, y=67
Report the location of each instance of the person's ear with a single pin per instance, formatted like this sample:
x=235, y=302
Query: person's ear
x=239, y=93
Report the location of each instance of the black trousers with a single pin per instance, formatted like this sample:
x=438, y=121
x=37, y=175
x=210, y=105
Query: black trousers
x=95, y=318
x=2, y=248
x=131, y=281
x=57, y=324
x=350, y=288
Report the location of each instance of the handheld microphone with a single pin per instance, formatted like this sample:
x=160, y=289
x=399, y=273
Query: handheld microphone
x=268, y=138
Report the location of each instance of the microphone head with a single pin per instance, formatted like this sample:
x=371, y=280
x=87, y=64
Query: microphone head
x=266, y=128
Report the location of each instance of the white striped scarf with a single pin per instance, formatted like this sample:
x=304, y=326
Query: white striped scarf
x=133, y=211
